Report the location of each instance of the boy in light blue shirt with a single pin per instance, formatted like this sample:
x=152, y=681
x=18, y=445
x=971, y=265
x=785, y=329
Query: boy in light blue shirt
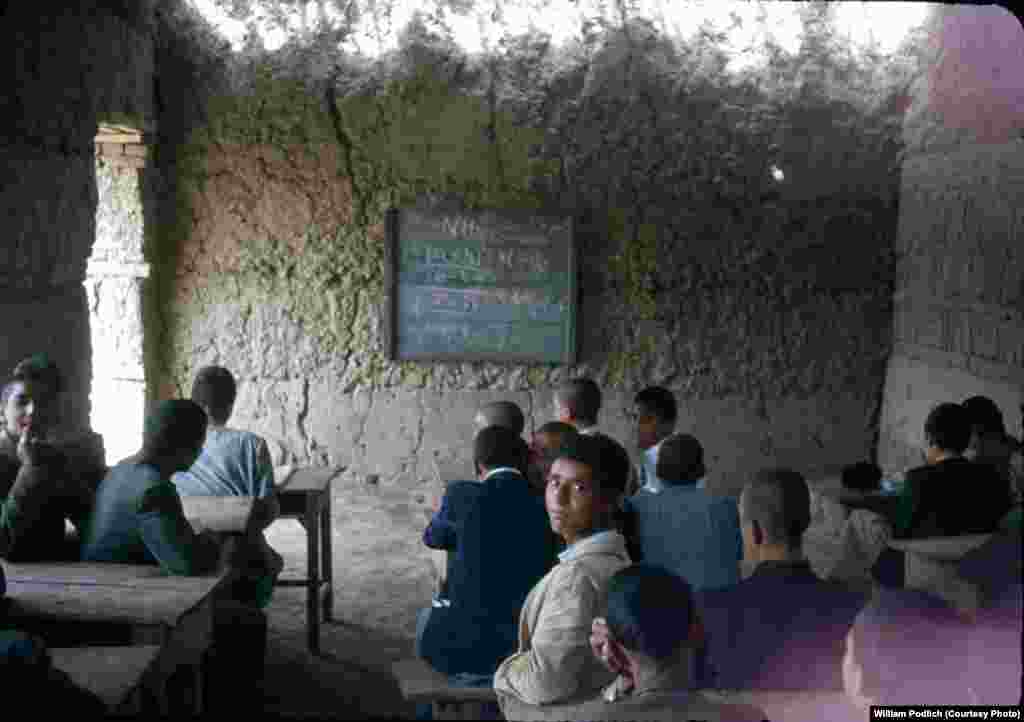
x=683, y=528
x=655, y=413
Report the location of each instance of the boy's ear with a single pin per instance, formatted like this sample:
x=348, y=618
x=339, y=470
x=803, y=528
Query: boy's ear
x=757, y=531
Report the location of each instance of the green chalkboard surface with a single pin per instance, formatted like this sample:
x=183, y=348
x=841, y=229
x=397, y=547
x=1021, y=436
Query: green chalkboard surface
x=479, y=285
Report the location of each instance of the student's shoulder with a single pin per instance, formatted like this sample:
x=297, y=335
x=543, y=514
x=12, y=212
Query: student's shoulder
x=722, y=598
x=463, y=489
x=240, y=437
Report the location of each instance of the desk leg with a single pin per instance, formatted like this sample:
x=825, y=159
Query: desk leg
x=328, y=562
x=313, y=573
x=197, y=689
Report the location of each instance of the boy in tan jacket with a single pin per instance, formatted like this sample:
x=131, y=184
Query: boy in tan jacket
x=647, y=640
x=554, y=662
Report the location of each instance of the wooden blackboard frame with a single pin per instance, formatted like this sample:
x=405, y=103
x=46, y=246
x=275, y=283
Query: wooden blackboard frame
x=392, y=258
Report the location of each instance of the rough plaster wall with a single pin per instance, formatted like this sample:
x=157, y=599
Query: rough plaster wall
x=959, y=310
x=48, y=195
x=758, y=385
x=116, y=274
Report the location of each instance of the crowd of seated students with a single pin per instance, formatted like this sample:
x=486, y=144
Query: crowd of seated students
x=593, y=636
x=132, y=513
x=575, y=633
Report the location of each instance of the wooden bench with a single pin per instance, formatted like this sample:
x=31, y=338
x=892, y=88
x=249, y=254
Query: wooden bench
x=420, y=683
x=931, y=565
x=173, y=613
x=787, y=706
x=114, y=674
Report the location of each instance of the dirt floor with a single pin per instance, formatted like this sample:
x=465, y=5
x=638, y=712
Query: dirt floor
x=351, y=679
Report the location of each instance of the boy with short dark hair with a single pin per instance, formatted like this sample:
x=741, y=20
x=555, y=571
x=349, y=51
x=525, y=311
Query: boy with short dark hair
x=554, y=662
x=138, y=519
x=683, y=528
x=502, y=548
x=234, y=462
x=655, y=411
x=950, y=495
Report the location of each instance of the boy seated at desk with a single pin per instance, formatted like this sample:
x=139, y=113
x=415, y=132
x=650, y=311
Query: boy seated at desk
x=138, y=519
x=42, y=483
x=235, y=463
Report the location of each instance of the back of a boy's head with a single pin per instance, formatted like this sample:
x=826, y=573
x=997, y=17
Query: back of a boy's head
x=862, y=476
x=985, y=415
x=608, y=462
x=214, y=389
x=780, y=502
x=660, y=402
x=499, y=446
x=504, y=413
x=948, y=427
x=173, y=426
x=680, y=460
x=650, y=610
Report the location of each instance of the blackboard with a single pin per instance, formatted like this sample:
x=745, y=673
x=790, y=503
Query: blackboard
x=479, y=285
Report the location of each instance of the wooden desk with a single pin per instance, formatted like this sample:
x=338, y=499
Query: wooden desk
x=229, y=514
x=305, y=494
x=174, y=613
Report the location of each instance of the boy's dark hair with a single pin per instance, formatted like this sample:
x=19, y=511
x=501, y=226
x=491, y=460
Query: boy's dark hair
x=583, y=397
x=948, y=427
x=780, y=502
x=608, y=461
x=497, y=446
x=650, y=610
x=985, y=415
x=214, y=389
x=39, y=369
x=862, y=476
x=556, y=427
x=906, y=642
x=504, y=413
x=173, y=426
x=680, y=460
x=660, y=402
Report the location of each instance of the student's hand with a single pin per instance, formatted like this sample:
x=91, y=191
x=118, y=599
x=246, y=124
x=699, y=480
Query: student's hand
x=30, y=448
x=600, y=646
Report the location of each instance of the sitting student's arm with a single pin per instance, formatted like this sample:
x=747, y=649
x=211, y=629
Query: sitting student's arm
x=78, y=501
x=266, y=508
x=906, y=508
x=169, y=537
x=440, y=532
x=731, y=522
x=559, y=658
